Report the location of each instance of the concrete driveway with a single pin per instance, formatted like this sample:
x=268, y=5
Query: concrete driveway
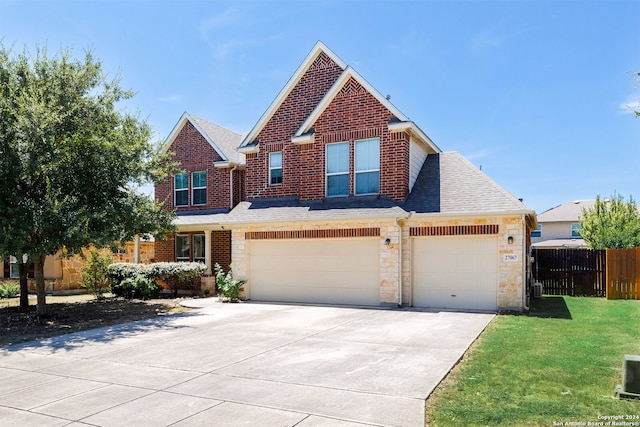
x=239, y=364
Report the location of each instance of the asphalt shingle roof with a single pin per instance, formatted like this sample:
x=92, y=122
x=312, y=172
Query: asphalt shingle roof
x=226, y=140
x=449, y=183
x=566, y=212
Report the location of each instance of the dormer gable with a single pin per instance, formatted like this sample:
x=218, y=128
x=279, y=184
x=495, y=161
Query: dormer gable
x=352, y=80
x=223, y=141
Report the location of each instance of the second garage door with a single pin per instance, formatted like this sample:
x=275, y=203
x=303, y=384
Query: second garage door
x=458, y=272
x=336, y=271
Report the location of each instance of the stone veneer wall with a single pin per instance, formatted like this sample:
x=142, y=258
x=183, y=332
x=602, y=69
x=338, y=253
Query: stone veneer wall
x=72, y=267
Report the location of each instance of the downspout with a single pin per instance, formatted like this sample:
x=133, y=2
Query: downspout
x=525, y=264
x=231, y=186
x=397, y=220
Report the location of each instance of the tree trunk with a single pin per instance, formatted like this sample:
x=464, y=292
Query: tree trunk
x=24, y=286
x=41, y=305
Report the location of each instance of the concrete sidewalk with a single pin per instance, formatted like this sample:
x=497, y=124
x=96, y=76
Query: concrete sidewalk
x=239, y=364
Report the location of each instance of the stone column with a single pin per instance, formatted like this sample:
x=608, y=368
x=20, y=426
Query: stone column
x=136, y=249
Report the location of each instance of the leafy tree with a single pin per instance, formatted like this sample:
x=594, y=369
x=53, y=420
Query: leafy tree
x=611, y=223
x=95, y=273
x=69, y=160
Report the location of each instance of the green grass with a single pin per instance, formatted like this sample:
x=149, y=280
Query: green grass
x=559, y=364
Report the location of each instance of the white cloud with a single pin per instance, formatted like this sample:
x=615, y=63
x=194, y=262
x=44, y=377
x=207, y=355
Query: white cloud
x=171, y=98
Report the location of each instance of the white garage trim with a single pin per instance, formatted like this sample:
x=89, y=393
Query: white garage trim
x=321, y=270
x=455, y=271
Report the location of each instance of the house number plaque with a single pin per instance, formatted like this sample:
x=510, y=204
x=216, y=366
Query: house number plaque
x=510, y=257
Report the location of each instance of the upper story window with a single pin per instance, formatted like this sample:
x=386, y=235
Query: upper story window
x=181, y=189
x=575, y=231
x=337, y=169
x=183, y=247
x=275, y=168
x=367, y=166
x=538, y=232
x=199, y=182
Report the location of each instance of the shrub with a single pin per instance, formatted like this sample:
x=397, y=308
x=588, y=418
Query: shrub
x=9, y=290
x=228, y=286
x=95, y=276
x=120, y=271
x=124, y=288
x=177, y=274
x=174, y=274
x=146, y=288
x=139, y=287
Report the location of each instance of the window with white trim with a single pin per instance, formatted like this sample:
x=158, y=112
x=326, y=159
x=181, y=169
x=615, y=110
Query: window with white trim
x=14, y=268
x=198, y=248
x=575, y=231
x=199, y=190
x=367, y=166
x=183, y=247
x=337, y=169
x=181, y=189
x=275, y=168
x=538, y=232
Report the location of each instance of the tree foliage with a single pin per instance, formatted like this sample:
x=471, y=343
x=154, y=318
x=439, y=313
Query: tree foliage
x=611, y=223
x=69, y=160
x=94, y=274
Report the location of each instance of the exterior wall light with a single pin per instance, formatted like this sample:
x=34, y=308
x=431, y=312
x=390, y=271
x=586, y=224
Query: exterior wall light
x=387, y=241
x=510, y=240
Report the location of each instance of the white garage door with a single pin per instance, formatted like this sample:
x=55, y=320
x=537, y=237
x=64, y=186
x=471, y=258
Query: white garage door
x=336, y=271
x=455, y=272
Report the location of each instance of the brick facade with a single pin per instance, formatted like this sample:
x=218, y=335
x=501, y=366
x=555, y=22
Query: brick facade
x=353, y=114
x=194, y=154
x=166, y=251
x=277, y=133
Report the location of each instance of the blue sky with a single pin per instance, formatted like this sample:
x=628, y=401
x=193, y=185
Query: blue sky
x=534, y=92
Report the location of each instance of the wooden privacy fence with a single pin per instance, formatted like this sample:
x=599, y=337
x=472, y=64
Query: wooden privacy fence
x=573, y=272
x=623, y=273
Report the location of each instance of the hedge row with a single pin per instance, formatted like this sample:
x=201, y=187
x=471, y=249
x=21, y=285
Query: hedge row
x=174, y=274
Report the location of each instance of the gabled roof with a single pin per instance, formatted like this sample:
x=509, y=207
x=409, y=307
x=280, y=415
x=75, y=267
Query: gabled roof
x=401, y=121
x=449, y=184
x=224, y=141
x=561, y=243
x=318, y=49
x=566, y=212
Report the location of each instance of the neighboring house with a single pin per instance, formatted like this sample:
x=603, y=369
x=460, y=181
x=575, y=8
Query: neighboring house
x=63, y=274
x=347, y=201
x=559, y=227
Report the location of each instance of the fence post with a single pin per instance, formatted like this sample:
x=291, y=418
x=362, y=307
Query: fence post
x=637, y=283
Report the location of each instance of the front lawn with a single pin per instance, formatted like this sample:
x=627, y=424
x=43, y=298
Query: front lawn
x=558, y=365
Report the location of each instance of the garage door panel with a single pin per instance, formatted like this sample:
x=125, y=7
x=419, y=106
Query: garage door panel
x=341, y=271
x=455, y=272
